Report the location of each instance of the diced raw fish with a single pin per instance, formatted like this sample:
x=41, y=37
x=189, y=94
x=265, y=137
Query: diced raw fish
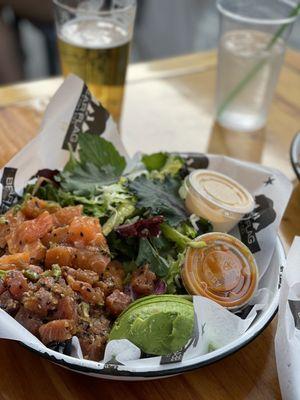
x=89, y=294
x=8, y=304
x=112, y=277
x=86, y=231
x=117, y=302
x=76, y=258
x=14, y=261
x=143, y=281
x=2, y=286
x=4, y=231
x=32, y=230
x=36, y=250
x=9, y=220
x=16, y=284
x=28, y=320
x=34, y=206
x=93, y=338
x=57, y=331
x=83, y=275
x=99, y=326
x=92, y=260
x=40, y=302
x=65, y=215
x=66, y=309
x=93, y=347
x=60, y=255
x=29, y=232
x=56, y=236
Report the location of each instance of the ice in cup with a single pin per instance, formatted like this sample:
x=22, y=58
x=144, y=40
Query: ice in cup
x=224, y=270
x=217, y=198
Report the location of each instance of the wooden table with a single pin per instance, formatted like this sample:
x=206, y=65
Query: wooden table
x=168, y=105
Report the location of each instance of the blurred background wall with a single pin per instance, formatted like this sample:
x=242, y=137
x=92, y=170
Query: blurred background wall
x=164, y=28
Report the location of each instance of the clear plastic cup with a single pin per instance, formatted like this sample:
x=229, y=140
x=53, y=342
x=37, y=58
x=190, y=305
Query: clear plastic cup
x=252, y=43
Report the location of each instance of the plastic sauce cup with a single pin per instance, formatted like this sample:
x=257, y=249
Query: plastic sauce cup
x=217, y=198
x=224, y=271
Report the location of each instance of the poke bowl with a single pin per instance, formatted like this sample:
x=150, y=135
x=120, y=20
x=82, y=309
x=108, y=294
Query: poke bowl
x=134, y=268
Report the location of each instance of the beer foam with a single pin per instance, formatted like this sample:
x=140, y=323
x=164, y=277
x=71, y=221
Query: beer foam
x=94, y=33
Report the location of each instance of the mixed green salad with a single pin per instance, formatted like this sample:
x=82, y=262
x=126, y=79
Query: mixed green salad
x=140, y=208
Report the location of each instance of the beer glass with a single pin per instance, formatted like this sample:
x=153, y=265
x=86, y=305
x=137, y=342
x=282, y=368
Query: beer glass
x=93, y=41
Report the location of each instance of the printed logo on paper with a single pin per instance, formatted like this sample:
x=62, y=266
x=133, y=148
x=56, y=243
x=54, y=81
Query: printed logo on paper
x=262, y=216
x=89, y=116
x=173, y=358
x=9, y=194
x=112, y=365
x=280, y=276
x=295, y=310
x=198, y=162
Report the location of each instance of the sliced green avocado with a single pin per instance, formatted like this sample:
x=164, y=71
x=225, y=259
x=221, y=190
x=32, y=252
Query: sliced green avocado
x=153, y=299
x=158, y=325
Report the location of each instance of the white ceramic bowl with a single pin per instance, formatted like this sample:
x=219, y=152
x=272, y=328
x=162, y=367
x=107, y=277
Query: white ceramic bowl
x=271, y=280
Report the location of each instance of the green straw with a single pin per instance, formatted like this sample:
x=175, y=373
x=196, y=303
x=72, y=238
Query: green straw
x=240, y=86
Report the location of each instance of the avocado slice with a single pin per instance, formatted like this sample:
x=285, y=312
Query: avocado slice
x=154, y=298
x=158, y=325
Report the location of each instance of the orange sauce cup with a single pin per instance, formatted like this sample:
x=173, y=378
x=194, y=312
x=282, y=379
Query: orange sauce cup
x=224, y=271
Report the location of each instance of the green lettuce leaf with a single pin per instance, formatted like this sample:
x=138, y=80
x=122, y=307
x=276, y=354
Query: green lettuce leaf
x=162, y=164
x=173, y=275
x=154, y=161
x=99, y=164
x=101, y=153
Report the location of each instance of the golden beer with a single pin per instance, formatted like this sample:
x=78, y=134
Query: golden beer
x=97, y=51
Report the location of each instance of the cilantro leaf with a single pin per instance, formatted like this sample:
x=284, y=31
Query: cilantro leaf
x=99, y=164
x=161, y=197
x=149, y=255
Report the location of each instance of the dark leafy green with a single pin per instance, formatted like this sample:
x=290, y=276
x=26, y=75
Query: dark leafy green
x=85, y=178
x=203, y=226
x=149, y=254
x=126, y=249
x=161, y=197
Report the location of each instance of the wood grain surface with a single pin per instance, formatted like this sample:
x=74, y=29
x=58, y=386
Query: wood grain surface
x=168, y=105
